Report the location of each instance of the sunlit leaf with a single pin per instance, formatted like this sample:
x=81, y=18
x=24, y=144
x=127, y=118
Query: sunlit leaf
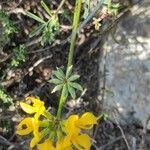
x=76, y=86
x=44, y=132
x=35, y=17
x=55, y=81
x=37, y=30
x=46, y=8
x=72, y=92
x=59, y=74
x=57, y=88
x=74, y=77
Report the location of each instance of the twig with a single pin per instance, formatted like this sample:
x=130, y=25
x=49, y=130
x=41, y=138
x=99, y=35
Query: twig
x=110, y=143
x=122, y=132
x=6, y=58
x=4, y=141
x=39, y=50
x=35, y=41
x=11, y=81
x=38, y=62
x=142, y=145
x=60, y=6
x=16, y=11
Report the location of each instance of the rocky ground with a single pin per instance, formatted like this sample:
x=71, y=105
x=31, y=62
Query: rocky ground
x=126, y=65
x=113, y=65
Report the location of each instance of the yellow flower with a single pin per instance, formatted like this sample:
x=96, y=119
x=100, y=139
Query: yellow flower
x=63, y=144
x=68, y=135
x=28, y=129
x=38, y=107
x=69, y=125
x=74, y=124
x=47, y=145
x=27, y=126
x=60, y=145
x=81, y=142
x=86, y=121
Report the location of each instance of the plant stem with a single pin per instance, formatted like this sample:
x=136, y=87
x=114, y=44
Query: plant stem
x=60, y=5
x=61, y=102
x=76, y=19
x=77, y=12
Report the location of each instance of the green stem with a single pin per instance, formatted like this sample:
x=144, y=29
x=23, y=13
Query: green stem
x=60, y=5
x=76, y=19
x=61, y=102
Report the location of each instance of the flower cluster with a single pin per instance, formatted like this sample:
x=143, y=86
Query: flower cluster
x=51, y=133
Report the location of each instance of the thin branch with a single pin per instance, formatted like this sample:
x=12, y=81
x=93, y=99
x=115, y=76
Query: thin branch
x=4, y=141
x=60, y=6
x=39, y=62
x=122, y=132
x=17, y=10
x=110, y=143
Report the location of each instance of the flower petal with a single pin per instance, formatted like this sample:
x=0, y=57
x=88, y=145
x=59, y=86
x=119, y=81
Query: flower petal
x=81, y=142
x=36, y=101
x=39, y=111
x=46, y=145
x=86, y=121
x=70, y=127
x=64, y=144
x=36, y=132
x=29, y=127
x=34, y=142
x=27, y=108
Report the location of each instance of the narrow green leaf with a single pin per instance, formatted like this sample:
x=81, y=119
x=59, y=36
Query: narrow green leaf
x=46, y=8
x=76, y=86
x=37, y=30
x=72, y=92
x=44, y=123
x=69, y=71
x=48, y=115
x=35, y=17
x=74, y=77
x=55, y=81
x=57, y=88
x=44, y=132
x=59, y=74
x=61, y=71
